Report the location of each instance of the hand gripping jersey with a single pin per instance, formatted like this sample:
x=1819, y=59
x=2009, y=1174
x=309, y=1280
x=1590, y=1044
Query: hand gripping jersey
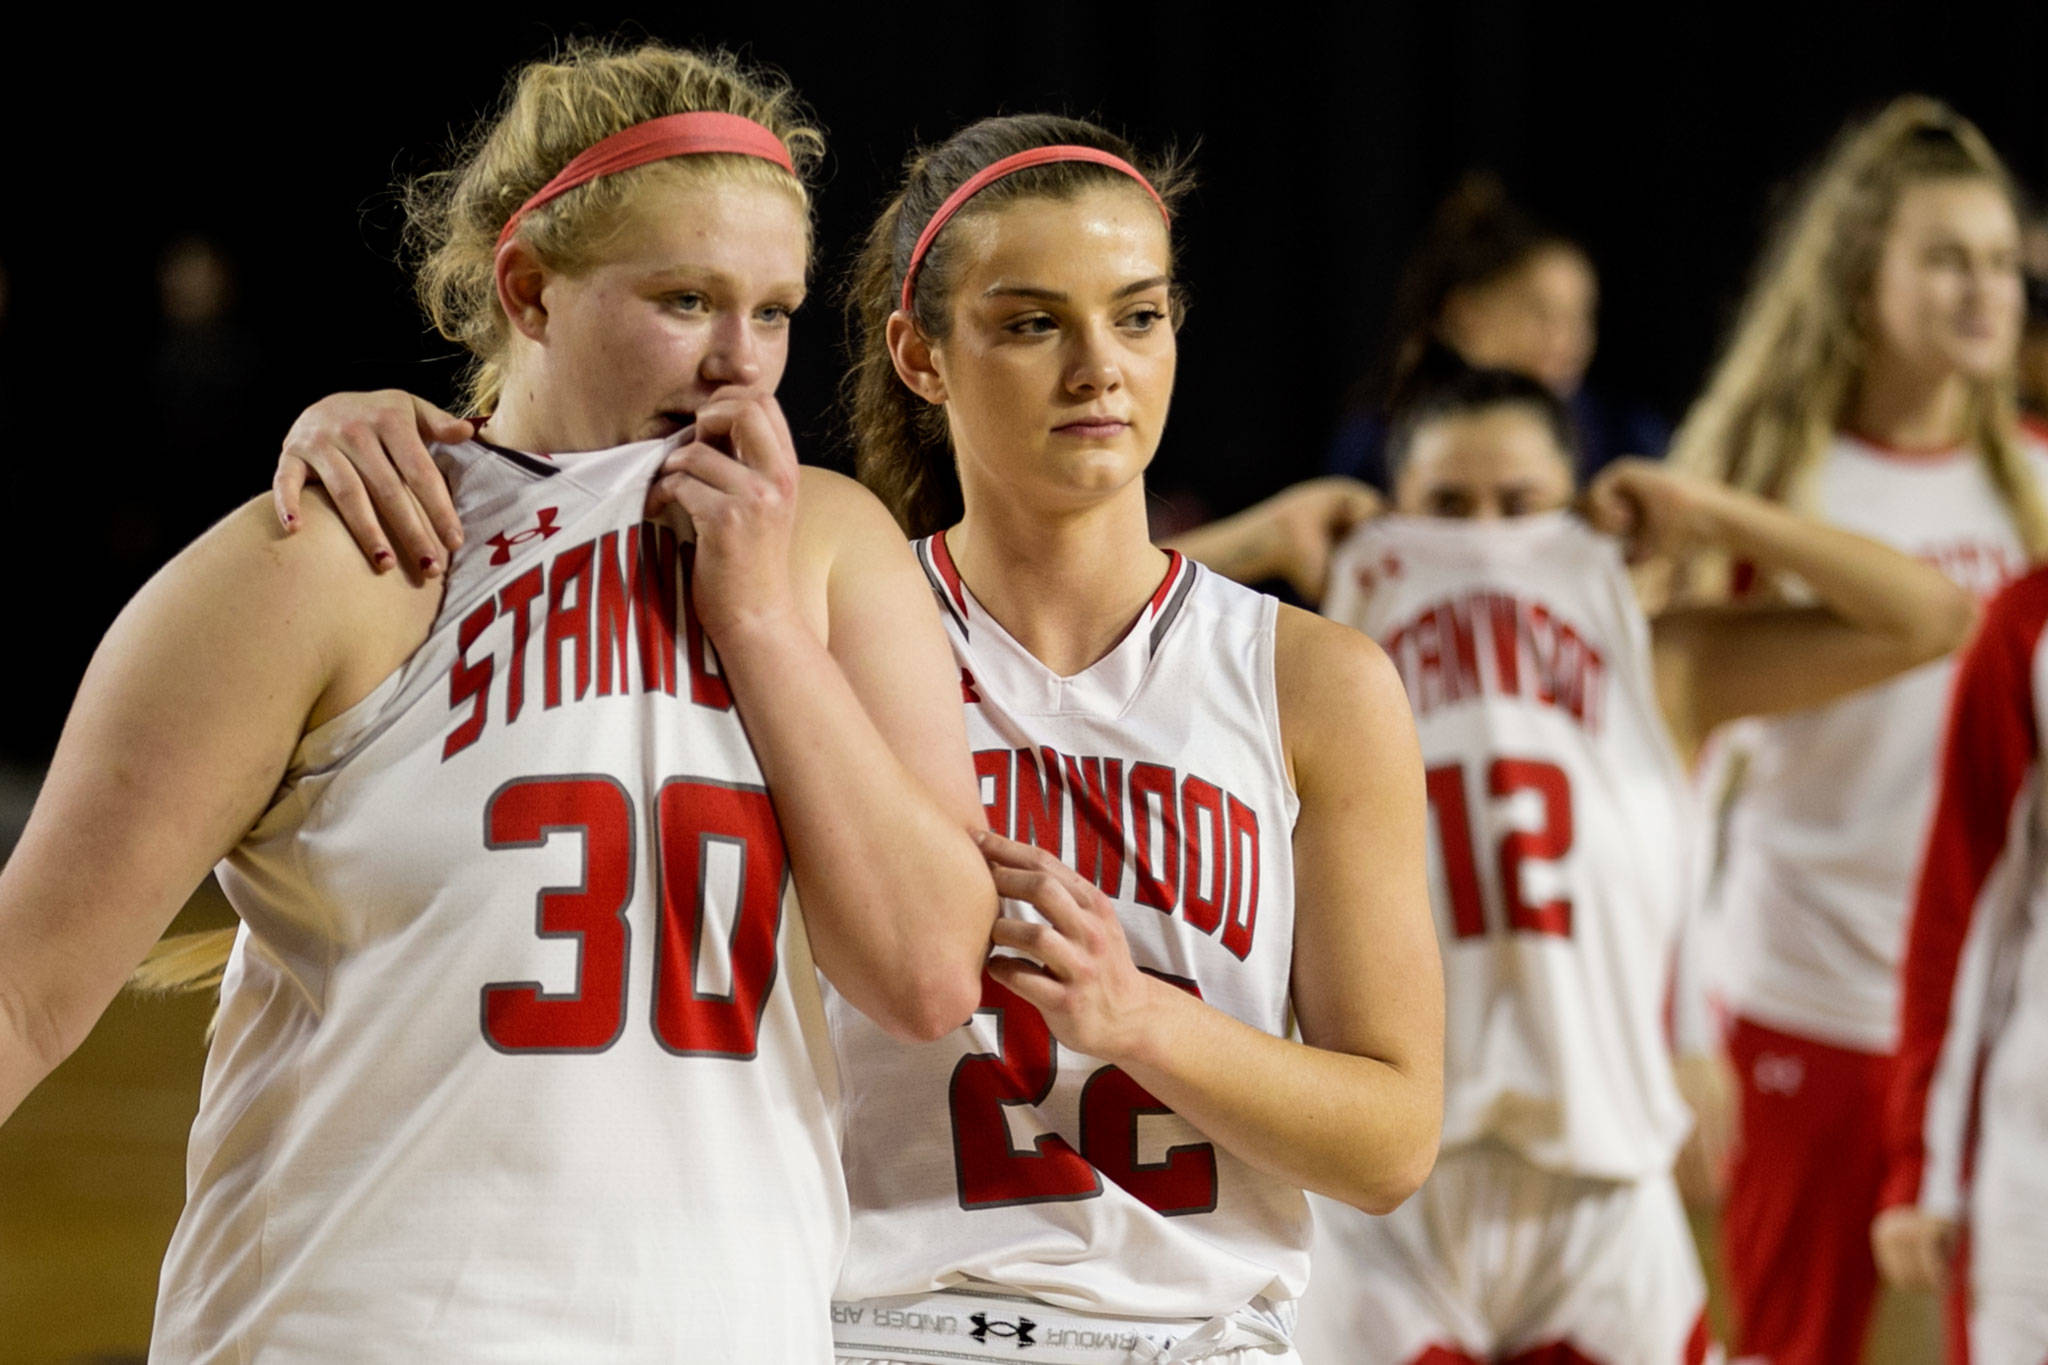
x=998, y=1155
x=1560, y=829
x=1977, y=959
x=515, y=1049
x=1823, y=841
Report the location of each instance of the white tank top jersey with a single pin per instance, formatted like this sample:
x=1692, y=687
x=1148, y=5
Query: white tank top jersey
x=1826, y=835
x=1561, y=829
x=520, y=1048
x=997, y=1155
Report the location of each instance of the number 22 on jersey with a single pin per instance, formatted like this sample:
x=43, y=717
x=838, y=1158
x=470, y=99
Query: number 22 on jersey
x=713, y=841
x=994, y=1174
x=1547, y=841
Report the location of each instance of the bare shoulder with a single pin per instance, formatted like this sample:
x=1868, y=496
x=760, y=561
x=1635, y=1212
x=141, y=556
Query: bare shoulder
x=828, y=497
x=838, y=520
x=1337, y=691
x=1319, y=663
x=309, y=592
x=318, y=565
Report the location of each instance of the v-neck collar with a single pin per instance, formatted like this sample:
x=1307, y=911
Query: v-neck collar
x=1023, y=681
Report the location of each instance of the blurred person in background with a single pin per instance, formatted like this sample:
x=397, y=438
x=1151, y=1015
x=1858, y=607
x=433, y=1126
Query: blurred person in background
x=1503, y=290
x=2033, y=366
x=1968, y=1122
x=1552, y=711
x=1869, y=380
x=203, y=381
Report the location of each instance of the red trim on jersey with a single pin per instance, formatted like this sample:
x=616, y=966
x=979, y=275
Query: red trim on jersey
x=1992, y=741
x=1696, y=1344
x=1911, y=454
x=943, y=557
x=1166, y=584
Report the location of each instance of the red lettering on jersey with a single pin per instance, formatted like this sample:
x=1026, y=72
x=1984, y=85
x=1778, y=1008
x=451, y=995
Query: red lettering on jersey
x=1201, y=805
x=470, y=680
x=691, y=817
x=568, y=622
x=1243, y=920
x=1204, y=860
x=1037, y=808
x=968, y=695
x=1542, y=644
x=1981, y=566
x=513, y=600
x=992, y=769
x=522, y=1016
x=654, y=608
x=707, y=679
x=1462, y=656
x=1503, y=614
x=1548, y=843
x=1443, y=659
x=1097, y=788
x=613, y=606
x=1152, y=790
x=1446, y=790
x=636, y=599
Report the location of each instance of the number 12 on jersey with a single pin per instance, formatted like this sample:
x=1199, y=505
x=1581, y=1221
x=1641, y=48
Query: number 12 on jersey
x=1548, y=841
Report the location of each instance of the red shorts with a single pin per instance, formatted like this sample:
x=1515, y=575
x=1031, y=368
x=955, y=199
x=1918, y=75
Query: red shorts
x=1795, y=1235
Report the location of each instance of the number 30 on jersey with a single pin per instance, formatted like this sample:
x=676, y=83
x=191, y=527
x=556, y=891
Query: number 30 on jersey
x=715, y=841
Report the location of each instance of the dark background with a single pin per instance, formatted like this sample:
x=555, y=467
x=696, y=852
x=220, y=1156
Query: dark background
x=1324, y=138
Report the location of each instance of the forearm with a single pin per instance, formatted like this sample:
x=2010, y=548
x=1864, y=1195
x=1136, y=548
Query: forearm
x=897, y=899
x=1359, y=1129
x=30, y=1048
x=1869, y=585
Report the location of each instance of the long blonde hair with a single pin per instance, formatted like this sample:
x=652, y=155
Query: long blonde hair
x=1800, y=344
x=551, y=110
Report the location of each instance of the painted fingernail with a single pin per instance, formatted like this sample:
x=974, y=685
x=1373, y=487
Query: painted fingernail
x=429, y=566
x=383, y=559
x=291, y=522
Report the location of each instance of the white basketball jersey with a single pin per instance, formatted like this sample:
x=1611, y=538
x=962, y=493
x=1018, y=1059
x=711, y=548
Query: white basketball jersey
x=998, y=1155
x=515, y=1058
x=1560, y=834
x=1825, y=838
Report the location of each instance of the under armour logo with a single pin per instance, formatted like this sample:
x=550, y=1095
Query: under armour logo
x=543, y=527
x=1779, y=1074
x=967, y=690
x=1021, y=1329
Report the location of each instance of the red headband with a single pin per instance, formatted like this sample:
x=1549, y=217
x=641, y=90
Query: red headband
x=656, y=140
x=988, y=175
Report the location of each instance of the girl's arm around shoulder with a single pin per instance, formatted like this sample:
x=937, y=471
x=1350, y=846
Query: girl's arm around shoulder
x=179, y=734
x=905, y=934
